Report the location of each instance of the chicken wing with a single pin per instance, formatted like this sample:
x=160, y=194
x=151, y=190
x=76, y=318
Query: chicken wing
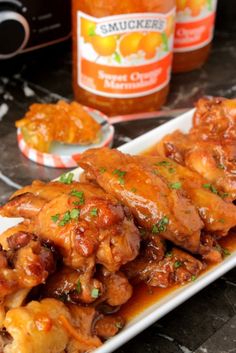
x=209, y=148
x=176, y=267
x=155, y=205
x=85, y=224
x=217, y=215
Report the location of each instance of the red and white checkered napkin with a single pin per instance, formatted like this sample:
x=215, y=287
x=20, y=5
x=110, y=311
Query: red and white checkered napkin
x=64, y=155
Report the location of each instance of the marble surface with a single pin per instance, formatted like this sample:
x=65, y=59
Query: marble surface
x=206, y=323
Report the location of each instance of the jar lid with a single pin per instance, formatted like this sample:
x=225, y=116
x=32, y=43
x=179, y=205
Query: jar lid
x=67, y=155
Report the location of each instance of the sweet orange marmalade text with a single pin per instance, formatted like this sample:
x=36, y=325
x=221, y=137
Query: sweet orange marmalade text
x=193, y=33
x=122, y=53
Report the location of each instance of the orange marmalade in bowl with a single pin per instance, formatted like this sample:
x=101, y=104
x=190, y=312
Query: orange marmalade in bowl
x=122, y=53
x=61, y=122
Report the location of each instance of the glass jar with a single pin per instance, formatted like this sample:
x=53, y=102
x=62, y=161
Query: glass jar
x=122, y=53
x=193, y=33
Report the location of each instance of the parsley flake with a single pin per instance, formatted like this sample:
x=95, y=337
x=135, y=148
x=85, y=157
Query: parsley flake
x=102, y=170
x=119, y=325
x=65, y=219
x=94, y=212
x=161, y=225
x=95, y=293
x=171, y=170
x=55, y=218
x=176, y=186
x=74, y=214
x=79, y=195
x=133, y=190
x=121, y=174
x=193, y=278
x=221, y=166
x=211, y=188
x=66, y=178
x=177, y=264
x=221, y=220
x=226, y=252
x=163, y=163
x=155, y=172
x=168, y=254
x=78, y=287
x=223, y=194
x=142, y=232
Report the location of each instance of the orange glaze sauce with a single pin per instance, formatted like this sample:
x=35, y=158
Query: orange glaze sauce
x=144, y=296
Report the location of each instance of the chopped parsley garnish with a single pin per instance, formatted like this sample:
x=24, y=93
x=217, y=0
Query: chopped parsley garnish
x=222, y=250
x=74, y=214
x=193, y=278
x=222, y=220
x=171, y=170
x=223, y=194
x=177, y=264
x=121, y=174
x=215, y=191
x=119, y=325
x=163, y=163
x=161, y=225
x=78, y=287
x=102, y=170
x=142, y=232
x=68, y=216
x=95, y=293
x=155, y=172
x=79, y=195
x=176, y=186
x=55, y=218
x=226, y=252
x=65, y=219
x=62, y=297
x=94, y=212
x=168, y=254
x=66, y=178
x=221, y=166
x=211, y=188
x=133, y=189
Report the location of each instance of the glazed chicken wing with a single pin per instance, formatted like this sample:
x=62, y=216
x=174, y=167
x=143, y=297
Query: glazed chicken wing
x=176, y=267
x=209, y=148
x=217, y=215
x=156, y=206
x=215, y=118
x=82, y=221
x=86, y=225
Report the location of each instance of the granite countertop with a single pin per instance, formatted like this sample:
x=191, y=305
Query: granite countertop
x=206, y=323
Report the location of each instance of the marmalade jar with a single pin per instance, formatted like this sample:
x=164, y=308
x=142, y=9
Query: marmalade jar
x=122, y=53
x=193, y=33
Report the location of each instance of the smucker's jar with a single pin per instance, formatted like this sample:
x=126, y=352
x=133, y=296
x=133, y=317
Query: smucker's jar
x=122, y=53
x=193, y=33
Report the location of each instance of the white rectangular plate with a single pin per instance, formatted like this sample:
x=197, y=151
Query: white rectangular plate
x=155, y=311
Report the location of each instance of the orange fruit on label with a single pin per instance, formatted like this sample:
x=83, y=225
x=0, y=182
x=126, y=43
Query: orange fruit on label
x=149, y=44
x=129, y=43
x=181, y=5
x=196, y=6
x=104, y=46
x=87, y=29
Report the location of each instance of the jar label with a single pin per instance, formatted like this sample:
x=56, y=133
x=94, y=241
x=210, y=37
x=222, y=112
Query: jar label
x=194, y=24
x=125, y=56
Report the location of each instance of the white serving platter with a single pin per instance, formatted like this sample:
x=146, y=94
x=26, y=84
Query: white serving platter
x=154, y=312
